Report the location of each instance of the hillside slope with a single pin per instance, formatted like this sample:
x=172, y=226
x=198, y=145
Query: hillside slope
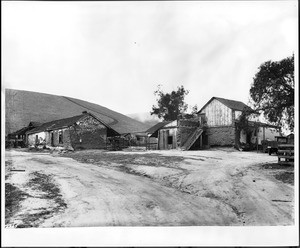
x=24, y=106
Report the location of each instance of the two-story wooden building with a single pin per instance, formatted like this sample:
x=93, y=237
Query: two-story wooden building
x=222, y=116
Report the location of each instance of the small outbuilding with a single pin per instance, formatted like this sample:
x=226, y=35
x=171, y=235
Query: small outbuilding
x=182, y=134
x=18, y=138
x=84, y=131
x=152, y=133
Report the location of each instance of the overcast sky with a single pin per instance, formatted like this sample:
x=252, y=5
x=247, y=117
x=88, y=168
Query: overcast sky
x=116, y=53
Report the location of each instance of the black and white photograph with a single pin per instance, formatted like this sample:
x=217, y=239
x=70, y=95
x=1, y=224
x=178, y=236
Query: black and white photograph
x=128, y=123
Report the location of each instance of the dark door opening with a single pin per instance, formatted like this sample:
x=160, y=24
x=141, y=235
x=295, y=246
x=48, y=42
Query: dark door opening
x=248, y=138
x=204, y=139
x=52, y=139
x=60, y=137
x=197, y=144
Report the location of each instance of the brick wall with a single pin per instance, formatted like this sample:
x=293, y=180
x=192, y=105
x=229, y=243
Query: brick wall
x=221, y=136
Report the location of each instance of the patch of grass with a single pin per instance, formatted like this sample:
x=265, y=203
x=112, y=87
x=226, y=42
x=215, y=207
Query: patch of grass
x=8, y=166
x=44, y=184
x=126, y=169
x=32, y=220
x=283, y=173
x=276, y=166
x=8, y=163
x=286, y=177
x=43, y=161
x=211, y=196
x=13, y=198
x=124, y=159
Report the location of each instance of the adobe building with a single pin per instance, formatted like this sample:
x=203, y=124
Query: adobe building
x=84, y=131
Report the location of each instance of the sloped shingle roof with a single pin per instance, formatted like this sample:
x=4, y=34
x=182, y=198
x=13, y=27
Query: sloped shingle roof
x=62, y=123
x=57, y=124
x=34, y=124
x=23, y=130
x=235, y=105
x=157, y=126
x=262, y=124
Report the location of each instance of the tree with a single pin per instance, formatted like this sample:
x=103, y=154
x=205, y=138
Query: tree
x=193, y=114
x=170, y=105
x=272, y=91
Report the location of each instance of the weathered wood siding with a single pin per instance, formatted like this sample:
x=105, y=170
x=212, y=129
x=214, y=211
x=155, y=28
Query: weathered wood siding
x=217, y=114
x=163, y=138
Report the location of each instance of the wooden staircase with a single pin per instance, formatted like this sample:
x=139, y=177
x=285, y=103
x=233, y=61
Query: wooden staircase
x=191, y=140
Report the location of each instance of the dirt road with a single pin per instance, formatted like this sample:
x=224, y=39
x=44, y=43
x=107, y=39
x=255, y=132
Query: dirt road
x=163, y=188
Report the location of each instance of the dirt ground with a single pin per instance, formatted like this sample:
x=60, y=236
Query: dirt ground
x=147, y=188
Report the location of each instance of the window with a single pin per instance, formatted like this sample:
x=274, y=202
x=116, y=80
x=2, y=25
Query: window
x=60, y=137
x=170, y=140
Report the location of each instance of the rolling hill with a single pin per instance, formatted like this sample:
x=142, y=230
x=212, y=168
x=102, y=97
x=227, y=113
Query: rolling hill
x=21, y=107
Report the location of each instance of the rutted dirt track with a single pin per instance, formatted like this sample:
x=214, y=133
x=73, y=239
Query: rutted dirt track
x=156, y=188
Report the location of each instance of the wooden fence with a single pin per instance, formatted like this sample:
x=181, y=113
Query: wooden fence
x=151, y=146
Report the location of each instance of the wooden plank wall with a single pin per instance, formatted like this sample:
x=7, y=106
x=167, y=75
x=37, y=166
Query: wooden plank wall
x=217, y=114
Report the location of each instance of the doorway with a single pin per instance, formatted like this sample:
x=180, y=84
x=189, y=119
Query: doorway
x=52, y=138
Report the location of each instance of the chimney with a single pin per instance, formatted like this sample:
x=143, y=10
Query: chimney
x=84, y=112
